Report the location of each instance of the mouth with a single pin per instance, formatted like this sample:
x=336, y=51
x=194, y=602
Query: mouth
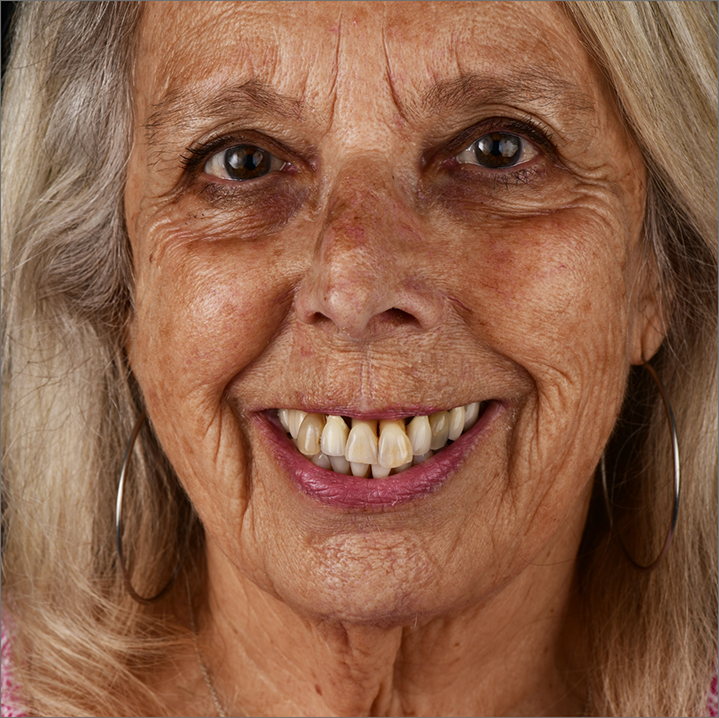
x=356, y=462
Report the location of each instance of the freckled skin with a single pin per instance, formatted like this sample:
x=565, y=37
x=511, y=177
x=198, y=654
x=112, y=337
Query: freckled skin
x=374, y=272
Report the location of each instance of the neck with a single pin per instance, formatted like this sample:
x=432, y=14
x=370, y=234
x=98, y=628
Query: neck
x=514, y=653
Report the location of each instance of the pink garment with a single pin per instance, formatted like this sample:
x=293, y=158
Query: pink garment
x=11, y=705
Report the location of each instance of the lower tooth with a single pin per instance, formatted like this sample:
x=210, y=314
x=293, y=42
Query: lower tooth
x=322, y=460
x=404, y=467
x=419, y=459
x=361, y=470
x=340, y=464
x=379, y=471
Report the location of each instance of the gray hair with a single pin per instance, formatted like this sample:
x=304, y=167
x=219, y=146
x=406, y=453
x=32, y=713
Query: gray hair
x=70, y=400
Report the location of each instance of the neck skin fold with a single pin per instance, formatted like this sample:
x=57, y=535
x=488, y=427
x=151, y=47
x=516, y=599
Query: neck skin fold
x=518, y=652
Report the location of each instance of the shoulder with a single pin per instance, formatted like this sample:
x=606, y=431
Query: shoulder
x=712, y=698
x=10, y=704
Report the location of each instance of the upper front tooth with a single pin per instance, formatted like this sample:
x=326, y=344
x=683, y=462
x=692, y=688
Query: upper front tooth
x=334, y=436
x=294, y=419
x=395, y=448
x=308, y=437
x=361, y=444
x=471, y=414
x=283, y=415
x=419, y=433
x=440, y=429
x=456, y=423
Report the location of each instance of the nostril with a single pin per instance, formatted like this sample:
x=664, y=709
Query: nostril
x=399, y=316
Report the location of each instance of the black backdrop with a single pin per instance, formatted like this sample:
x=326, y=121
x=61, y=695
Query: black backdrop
x=7, y=10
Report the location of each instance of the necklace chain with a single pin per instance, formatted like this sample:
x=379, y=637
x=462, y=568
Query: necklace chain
x=205, y=673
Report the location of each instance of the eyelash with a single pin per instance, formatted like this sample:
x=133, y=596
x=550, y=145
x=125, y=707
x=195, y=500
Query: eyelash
x=527, y=129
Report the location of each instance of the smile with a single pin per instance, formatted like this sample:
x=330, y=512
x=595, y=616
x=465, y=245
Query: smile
x=375, y=448
x=336, y=447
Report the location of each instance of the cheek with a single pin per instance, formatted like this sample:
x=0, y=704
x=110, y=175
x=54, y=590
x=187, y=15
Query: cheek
x=204, y=311
x=550, y=292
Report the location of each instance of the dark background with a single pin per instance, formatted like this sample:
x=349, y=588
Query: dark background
x=7, y=9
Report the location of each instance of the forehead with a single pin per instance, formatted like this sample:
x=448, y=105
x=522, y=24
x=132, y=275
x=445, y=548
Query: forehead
x=410, y=57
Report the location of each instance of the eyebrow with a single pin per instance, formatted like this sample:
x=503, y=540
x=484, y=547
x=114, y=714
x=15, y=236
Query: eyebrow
x=254, y=98
x=534, y=86
x=181, y=108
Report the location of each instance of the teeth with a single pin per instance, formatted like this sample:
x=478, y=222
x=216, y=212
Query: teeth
x=419, y=433
x=284, y=417
x=360, y=469
x=322, y=460
x=334, y=436
x=456, y=423
x=362, y=443
x=308, y=437
x=423, y=457
x=294, y=419
x=440, y=429
x=400, y=469
x=330, y=444
x=471, y=415
x=395, y=448
x=340, y=464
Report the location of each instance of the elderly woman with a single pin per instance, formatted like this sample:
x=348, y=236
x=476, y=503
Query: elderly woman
x=327, y=331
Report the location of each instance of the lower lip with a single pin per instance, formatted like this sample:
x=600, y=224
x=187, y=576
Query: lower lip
x=352, y=492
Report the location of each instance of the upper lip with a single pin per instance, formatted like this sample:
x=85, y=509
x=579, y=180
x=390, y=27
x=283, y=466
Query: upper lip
x=394, y=412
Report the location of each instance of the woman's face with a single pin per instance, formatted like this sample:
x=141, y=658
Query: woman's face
x=427, y=205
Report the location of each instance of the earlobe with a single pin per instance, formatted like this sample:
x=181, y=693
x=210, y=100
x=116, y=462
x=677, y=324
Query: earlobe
x=650, y=328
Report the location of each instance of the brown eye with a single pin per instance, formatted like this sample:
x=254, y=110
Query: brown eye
x=242, y=162
x=497, y=150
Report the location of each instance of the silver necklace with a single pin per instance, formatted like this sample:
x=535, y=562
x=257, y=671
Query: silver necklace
x=205, y=673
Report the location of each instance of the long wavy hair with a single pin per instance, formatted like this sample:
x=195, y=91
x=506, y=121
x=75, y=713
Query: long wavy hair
x=70, y=400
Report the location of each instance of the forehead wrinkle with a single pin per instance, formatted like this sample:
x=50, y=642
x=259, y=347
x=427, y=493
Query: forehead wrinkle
x=183, y=108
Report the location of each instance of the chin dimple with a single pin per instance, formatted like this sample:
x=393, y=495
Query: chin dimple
x=375, y=448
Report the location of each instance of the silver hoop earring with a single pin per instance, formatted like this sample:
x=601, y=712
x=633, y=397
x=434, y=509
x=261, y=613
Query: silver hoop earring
x=677, y=481
x=118, y=526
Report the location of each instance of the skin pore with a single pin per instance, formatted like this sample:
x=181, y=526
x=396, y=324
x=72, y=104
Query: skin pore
x=371, y=272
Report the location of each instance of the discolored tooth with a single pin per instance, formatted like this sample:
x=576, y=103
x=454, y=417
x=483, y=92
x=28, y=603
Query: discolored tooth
x=395, y=447
x=340, y=464
x=322, y=460
x=308, y=437
x=294, y=419
x=471, y=414
x=283, y=416
x=379, y=471
x=420, y=459
x=456, y=423
x=440, y=429
x=402, y=468
x=360, y=469
x=361, y=444
x=334, y=436
x=419, y=433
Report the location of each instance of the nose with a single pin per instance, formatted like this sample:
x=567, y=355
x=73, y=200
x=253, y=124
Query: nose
x=369, y=275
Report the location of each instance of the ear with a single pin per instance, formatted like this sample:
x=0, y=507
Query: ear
x=648, y=316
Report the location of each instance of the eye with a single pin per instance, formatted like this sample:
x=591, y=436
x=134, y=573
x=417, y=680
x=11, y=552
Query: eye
x=497, y=150
x=242, y=162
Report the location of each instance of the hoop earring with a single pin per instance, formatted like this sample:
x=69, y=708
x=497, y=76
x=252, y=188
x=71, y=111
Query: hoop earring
x=118, y=526
x=677, y=481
